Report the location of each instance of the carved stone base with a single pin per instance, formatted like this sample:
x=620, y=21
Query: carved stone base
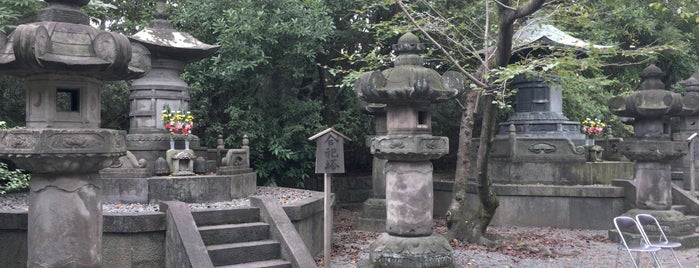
x=677, y=227
x=408, y=252
x=373, y=218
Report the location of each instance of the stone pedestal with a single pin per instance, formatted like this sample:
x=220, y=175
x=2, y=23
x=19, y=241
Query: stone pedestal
x=373, y=217
x=65, y=220
x=653, y=186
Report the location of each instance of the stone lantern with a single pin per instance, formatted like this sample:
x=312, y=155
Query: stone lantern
x=408, y=89
x=651, y=108
x=171, y=51
x=653, y=150
x=688, y=126
x=373, y=217
x=64, y=61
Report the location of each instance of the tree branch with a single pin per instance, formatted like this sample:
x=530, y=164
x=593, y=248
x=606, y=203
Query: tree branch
x=468, y=75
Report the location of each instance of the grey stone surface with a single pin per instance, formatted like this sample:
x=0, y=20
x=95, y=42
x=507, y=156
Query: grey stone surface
x=128, y=190
x=183, y=244
x=583, y=206
x=409, y=198
x=65, y=221
x=293, y=249
x=197, y=189
x=412, y=252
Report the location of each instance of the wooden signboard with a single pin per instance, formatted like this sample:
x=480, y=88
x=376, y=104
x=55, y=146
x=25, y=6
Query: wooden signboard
x=330, y=158
x=330, y=155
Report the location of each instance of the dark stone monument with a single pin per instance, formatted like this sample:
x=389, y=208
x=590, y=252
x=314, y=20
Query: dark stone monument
x=64, y=61
x=652, y=149
x=408, y=89
x=538, y=144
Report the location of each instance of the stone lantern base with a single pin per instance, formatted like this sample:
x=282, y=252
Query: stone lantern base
x=408, y=252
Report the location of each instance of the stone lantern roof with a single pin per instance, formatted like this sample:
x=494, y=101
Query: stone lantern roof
x=165, y=42
x=691, y=84
x=651, y=100
x=63, y=42
x=408, y=81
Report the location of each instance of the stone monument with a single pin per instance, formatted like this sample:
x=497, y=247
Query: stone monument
x=170, y=51
x=373, y=217
x=408, y=89
x=689, y=124
x=652, y=149
x=64, y=61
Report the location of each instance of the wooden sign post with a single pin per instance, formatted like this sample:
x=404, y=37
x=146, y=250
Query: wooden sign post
x=330, y=158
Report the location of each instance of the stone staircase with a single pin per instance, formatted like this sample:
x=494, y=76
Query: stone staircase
x=239, y=239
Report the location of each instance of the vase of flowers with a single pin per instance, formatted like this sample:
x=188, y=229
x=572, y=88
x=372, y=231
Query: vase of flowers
x=178, y=122
x=592, y=128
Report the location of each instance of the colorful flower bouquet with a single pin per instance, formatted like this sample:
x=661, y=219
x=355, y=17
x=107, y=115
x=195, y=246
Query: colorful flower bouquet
x=593, y=128
x=177, y=122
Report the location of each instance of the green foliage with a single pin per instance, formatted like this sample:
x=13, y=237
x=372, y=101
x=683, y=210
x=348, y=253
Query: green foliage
x=12, y=180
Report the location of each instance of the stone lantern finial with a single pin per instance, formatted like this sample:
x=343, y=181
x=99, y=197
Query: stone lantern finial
x=67, y=11
x=161, y=10
x=651, y=78
x=691, y=84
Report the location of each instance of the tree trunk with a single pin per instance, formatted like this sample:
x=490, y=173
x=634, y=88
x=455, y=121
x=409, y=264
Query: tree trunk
x=473, y=229
x=456, y=212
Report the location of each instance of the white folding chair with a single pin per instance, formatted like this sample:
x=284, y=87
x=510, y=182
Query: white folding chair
x=623, y=223
x=663, y=242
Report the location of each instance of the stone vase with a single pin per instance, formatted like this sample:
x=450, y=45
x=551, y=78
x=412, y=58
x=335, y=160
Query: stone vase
x=172, y=144
x=186, y=143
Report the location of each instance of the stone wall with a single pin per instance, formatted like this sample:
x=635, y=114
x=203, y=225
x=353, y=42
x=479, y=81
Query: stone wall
x=585, y=207
x=139, y=240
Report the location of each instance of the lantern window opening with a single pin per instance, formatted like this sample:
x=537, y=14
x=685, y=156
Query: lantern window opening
x=422, y=119
x=67, y=100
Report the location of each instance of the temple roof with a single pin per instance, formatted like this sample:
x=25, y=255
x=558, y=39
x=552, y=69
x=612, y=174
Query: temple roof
x=537, y=33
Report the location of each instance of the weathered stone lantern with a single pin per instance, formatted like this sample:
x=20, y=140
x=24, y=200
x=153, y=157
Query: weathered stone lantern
x=64, y=61
x=171, y=51
x=689, y=124
x=652, y=149
x=408, y=89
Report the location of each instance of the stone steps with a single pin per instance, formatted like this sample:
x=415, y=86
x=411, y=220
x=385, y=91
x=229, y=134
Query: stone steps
x=261, y=264
x=238, y=239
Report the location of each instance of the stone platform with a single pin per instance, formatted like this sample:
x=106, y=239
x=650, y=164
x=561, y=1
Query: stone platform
x=582, y=206
x=189, y=189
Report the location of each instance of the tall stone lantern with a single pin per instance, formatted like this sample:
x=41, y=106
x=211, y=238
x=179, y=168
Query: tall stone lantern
x=408, y=89
x=652, y=148
x=64, y=61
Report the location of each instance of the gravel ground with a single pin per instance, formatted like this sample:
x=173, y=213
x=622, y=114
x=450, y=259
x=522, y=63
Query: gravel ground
x=528, y=247
x=17, y=202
